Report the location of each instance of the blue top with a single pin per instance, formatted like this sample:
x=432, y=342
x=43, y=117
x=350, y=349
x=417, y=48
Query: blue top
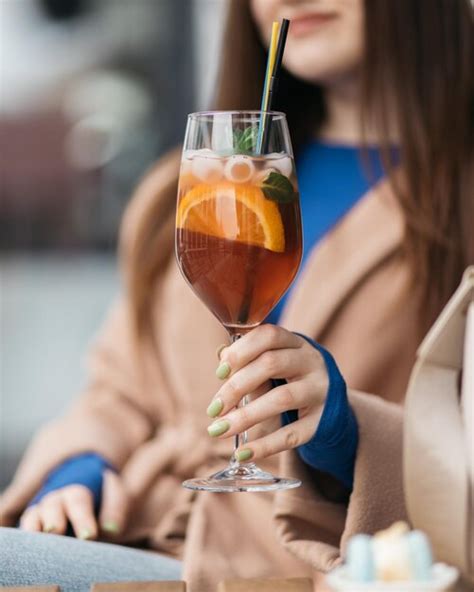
x=83, y=469
x=332, y=178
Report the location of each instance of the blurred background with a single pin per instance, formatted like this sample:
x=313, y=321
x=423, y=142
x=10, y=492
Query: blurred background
x=92, y=92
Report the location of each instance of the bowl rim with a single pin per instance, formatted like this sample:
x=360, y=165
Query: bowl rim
x=444, y=575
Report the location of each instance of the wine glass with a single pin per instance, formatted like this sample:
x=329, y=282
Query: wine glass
x=238, y=237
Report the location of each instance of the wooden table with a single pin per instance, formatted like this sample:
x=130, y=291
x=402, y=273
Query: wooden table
x=258, y=585
x=272, y=585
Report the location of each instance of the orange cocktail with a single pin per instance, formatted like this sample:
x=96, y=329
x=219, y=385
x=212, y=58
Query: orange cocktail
x=238, y=232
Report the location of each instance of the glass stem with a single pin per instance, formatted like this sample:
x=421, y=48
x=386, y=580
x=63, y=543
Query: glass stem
x=242, y=438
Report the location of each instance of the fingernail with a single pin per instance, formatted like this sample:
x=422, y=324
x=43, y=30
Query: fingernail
x=243, y=455
x=49, y=528
x=218, y=428
x=219, y=350
x=215, y=408
x=223, y=371
x=110, y=526
x=85, y=534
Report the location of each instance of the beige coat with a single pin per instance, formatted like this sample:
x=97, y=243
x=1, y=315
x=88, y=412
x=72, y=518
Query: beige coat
x=144, y=410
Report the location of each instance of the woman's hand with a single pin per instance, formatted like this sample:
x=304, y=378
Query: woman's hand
x=269, y=352
x=75, y=504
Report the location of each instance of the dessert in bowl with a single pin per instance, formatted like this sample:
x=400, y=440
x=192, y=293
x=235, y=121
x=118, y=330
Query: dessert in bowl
x=392, y=560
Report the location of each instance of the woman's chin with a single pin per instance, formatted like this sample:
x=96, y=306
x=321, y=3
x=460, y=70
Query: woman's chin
x=317, y=60
x=322, y=73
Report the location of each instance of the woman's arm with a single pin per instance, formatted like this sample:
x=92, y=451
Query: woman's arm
x=111, y=418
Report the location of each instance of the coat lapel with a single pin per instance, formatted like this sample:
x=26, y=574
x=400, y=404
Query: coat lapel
x=368, y=234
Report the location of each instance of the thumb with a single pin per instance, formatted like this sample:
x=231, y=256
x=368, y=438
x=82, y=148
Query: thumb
x=13, y=501
x=114, y=507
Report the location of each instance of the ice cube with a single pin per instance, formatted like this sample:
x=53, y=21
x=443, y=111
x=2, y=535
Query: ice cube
x=207, y=166
x=261, y=175
x=187, y=161
x=189, y=154
x=282, y=163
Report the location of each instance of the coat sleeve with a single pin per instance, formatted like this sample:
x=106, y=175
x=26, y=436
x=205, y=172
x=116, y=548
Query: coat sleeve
x=315, y=529
x=111, y=417
x=373, y=338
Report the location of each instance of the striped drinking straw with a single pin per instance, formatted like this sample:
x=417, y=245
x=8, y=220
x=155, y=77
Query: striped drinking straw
x=275, y=56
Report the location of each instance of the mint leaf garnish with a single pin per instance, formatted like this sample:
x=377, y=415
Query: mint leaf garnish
x=278, y=188
x=245, y=141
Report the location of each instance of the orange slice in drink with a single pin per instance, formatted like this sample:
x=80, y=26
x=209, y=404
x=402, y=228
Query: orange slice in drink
x=234, y=212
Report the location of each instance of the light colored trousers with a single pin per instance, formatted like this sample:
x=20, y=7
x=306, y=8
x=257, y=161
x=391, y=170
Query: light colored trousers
x=41, y=559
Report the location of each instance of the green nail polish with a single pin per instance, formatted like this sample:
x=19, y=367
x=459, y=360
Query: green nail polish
x=49, y=528
x=243, y=455
x=110, y=526
x=223, y=371
x=215, y=408
x=218, y=428
x=85, y=534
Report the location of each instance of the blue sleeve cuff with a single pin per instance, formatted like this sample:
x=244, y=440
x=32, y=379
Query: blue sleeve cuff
x=333, y=447
x=84, y=469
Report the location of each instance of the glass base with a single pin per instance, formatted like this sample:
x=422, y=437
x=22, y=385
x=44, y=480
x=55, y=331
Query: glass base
x=241, y=477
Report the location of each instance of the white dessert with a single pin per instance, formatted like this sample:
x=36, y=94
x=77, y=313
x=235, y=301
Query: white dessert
x=395, y=559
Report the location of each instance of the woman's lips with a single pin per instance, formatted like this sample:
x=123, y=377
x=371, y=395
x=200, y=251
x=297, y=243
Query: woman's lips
x=304, y=25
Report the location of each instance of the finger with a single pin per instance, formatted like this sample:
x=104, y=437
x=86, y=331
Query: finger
x=220, y=349
x=79, y=506
x=260, y=390
x=291, y=436
x=52, y=513
x=30, y=520
x=114, y=504
x=281, y=363
x=253, y=344
x=282, y=398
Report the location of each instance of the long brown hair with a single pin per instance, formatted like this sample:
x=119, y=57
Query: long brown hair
x=418, y=67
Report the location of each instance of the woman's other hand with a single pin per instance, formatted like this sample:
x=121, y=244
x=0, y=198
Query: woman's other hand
x=266, y=353
x=74, y=504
